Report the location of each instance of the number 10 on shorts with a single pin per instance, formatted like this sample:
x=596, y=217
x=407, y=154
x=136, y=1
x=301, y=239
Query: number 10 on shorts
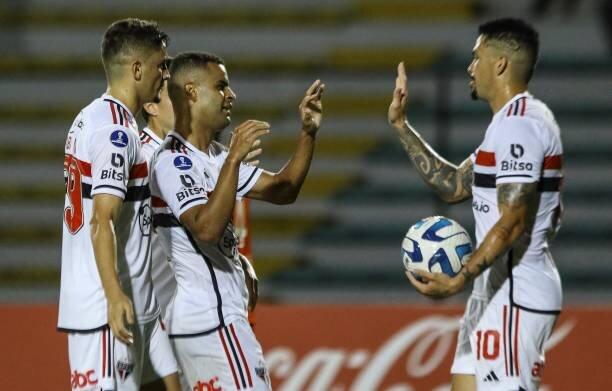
x=487, y=344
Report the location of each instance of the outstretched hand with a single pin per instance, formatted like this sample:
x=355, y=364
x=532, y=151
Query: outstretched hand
x=397, y=108
x=311, y=108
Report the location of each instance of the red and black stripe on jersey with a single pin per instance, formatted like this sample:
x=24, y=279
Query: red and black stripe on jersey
x=146, y=138
x=517, y=108
x=177, y=146
x=121, y=116
x=547, y=184
x=133, y=193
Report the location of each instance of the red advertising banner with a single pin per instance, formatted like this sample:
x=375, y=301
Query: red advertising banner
x=336, y=348
x=408, y=348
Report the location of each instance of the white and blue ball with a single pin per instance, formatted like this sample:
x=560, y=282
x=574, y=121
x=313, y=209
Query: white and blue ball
x=436, y=244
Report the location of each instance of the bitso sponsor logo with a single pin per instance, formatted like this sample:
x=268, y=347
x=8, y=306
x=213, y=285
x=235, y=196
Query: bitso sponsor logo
x=517, y=151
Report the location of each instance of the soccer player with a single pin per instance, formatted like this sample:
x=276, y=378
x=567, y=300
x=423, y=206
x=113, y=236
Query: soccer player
x=159, y=118
x=107, y=305
x=195, y=182
x=514, y=179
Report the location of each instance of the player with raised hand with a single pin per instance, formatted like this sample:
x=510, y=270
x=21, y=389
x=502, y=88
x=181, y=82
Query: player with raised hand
x=195, y=181
x=514, y=179
x=107, y=304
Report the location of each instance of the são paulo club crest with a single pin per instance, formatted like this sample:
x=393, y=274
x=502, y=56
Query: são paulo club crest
x=182, y=163
x=119, y=138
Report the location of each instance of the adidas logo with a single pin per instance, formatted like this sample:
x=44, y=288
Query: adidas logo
x=491, y=377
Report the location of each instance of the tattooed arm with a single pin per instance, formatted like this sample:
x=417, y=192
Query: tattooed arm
x=451, y=183
x=518, y=204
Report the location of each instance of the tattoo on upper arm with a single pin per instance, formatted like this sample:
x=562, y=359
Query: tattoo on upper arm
x=518, y=194
x=523, y=198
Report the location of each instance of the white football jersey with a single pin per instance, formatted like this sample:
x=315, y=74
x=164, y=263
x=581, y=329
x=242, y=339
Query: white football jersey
x=103, y=156
x=522, y=145
x=164, y=283
x=211, y=289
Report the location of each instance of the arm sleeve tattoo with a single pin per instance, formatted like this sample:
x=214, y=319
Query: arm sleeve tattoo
x=451, y=183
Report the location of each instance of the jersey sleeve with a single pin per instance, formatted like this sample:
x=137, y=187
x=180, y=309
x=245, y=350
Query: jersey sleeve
x=112, y=151
x=247, y=176
x=179, y=183
x=519, y=153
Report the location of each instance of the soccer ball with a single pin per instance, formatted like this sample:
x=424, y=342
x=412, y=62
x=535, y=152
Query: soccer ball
x=436, y=244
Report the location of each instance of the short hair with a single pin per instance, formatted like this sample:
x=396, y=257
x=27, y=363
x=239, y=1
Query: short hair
x=189, y=60
x=516, y=35
x=126, y=36
x=145, y=115
x=185, y=62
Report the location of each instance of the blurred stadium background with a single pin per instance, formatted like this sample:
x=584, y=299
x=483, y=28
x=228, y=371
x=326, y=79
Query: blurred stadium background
x=340, y=242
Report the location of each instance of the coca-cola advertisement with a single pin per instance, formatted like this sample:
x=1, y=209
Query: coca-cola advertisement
x=408, y=348
x=335, y=348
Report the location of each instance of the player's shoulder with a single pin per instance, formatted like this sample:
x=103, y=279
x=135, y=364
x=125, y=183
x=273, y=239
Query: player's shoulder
x=104, y=115
x=173, y=151
x=525, y=109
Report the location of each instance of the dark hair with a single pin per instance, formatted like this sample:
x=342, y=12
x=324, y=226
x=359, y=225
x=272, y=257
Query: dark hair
x=189, y=60
x=517, y=34
x=145, y=115
x=128, y=35
x=186, y=62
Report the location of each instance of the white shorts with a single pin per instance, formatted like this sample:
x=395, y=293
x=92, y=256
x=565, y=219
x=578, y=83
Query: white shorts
x=506, y=346
x=229, y=359
x=98, y=361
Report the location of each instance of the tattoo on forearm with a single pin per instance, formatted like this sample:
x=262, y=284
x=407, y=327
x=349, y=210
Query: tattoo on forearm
x=450, y=182
x=479, y=268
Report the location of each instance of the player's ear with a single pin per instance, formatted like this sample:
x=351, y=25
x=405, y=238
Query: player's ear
x=151, y=109
x=501, y=65
x=137, y=70
x=191, y=92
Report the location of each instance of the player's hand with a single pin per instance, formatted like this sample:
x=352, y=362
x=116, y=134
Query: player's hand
x=311, y=108
x=121, y=317
x=397, y=108
x=245, y=144
x=435, y=285
x=251, y=280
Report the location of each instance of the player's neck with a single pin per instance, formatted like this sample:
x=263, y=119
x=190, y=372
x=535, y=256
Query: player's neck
x=504, y=94
x=201, y=138
x=127, y=97
x=198, y=136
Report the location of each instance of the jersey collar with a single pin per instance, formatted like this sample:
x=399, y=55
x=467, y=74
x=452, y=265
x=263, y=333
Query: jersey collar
x=117, y=101
x=152, y=134
x=512, y=100
x=191, y=146
x=177, y=136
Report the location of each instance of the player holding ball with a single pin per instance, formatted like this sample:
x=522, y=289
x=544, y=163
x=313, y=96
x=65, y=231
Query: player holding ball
x=516, y=172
